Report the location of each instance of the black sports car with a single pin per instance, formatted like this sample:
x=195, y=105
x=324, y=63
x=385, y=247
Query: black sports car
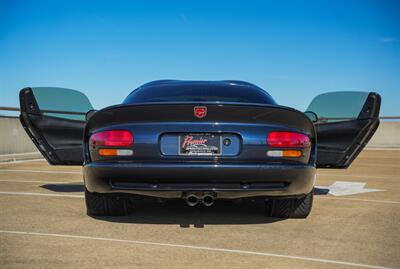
x=200, y=141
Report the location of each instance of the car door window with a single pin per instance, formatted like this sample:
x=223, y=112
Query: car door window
x=62, y=100
x=338, y=106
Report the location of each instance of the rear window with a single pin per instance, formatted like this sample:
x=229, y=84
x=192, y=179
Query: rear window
x=198, y=93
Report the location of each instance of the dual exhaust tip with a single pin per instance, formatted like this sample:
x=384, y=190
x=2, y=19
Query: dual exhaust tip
x=194, y=199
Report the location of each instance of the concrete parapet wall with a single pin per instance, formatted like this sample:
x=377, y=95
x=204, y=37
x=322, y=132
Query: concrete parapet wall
x=387, y=135
x=13, y=138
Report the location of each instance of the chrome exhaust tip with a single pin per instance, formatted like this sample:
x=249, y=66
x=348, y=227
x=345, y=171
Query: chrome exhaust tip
x=208, y=200
x=192, y=200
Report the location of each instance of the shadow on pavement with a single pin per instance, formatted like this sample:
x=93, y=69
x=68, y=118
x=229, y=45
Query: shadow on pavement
x=70, y=187
x=321, y=191
x=176, y=211
x=223, y=212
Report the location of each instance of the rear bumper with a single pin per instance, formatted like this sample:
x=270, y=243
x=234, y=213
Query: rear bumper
x=170, y=180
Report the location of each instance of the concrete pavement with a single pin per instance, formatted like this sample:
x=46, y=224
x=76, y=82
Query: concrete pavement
x=43, y=225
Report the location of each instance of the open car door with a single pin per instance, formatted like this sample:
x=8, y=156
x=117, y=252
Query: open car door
x=345, y=122
x=54, y=118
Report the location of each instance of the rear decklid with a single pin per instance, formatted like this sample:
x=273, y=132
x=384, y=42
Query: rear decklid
x=217, y=113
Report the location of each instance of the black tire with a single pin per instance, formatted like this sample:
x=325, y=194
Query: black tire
x=290, y=207
x=107, y=204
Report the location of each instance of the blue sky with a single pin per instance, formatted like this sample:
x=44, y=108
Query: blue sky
x=293, y=49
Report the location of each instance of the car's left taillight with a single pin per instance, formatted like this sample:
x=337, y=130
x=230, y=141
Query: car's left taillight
x=111, y=143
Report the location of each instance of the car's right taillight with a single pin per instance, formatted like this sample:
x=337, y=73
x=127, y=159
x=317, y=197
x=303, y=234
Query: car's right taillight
x=287, y=144
x=112, y=143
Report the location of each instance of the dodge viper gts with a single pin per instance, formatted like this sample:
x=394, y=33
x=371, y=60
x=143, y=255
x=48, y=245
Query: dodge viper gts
x=199, y=141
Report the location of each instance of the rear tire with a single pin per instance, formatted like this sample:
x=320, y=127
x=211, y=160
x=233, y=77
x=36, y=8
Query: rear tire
x=290, y=207
x=107, y=204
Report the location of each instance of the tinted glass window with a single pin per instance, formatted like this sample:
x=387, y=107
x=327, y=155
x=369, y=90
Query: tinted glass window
x=199, y=92
x=338, y=106
x=60, y=99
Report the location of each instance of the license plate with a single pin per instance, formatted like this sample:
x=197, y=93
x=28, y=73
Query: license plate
x=200, y=144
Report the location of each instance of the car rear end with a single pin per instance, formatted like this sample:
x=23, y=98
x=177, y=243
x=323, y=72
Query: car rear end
x=199, y=140
x=165, y=150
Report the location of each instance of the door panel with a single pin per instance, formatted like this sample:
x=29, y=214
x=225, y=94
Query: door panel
x=347, y=121
x=54, y=118
x=353, y=136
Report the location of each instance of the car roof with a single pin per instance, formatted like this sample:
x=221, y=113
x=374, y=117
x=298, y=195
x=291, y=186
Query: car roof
x=197, y=82
x=158, y=88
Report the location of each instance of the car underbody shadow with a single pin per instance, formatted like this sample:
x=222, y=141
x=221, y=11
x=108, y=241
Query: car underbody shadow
x=148, y=210
x=176, y=211
x=321, y=191
x=64, y=187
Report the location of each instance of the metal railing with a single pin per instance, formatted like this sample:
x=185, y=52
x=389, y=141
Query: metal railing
x=5, y=108
x=322, y=119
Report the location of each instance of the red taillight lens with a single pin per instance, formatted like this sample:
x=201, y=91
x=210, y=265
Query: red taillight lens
x=287, y=140
x=113, y=138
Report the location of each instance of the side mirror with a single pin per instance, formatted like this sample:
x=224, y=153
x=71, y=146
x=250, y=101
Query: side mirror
x=312, y=116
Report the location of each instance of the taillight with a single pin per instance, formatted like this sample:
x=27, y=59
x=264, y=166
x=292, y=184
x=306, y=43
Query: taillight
x=112, y=138
x=111, y=143
x=287, y=144
x=288, y=140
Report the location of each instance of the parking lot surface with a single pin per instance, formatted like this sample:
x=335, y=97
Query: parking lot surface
x=43, y=224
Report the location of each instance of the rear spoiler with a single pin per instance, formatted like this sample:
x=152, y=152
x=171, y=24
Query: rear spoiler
x=216, y=112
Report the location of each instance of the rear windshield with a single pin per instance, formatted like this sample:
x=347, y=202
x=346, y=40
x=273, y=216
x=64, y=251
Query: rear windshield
x=199, y=93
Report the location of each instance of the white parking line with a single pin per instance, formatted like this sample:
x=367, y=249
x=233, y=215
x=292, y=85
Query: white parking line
x=40, y=171
x=80, y=173
x=390, y=148
x=22, y=161
x=225, y=250
x=40, y=194
x=19, y=154
x=36, y=181
x=354, y=176
x=379, y=164
x=358, y=199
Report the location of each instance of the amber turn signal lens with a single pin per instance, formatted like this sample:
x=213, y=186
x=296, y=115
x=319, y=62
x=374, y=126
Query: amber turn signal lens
x=291, y=153
x=108, y=152
x=115, y=152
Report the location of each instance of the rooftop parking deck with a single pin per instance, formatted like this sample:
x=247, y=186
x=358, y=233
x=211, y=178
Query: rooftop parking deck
x=43, y=224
